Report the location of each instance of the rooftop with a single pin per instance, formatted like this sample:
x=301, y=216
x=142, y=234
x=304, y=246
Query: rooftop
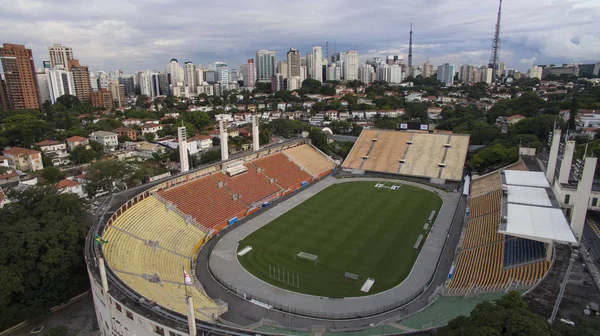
x=66, y=183
x=48, y=143
x=76, y=138
x=20, y=151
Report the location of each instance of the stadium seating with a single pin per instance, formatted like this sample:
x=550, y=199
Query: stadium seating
x=388, y=150
x=488, y=260
x=485, y=204
x=252, y=186
x=309, y=158
x=485, y=184
x=424, y=155
x=286, y=173
x=172, y=296
x=455, y=157
x=210, y=205
x=361, y=147
x=149, y=219
x=518, y=251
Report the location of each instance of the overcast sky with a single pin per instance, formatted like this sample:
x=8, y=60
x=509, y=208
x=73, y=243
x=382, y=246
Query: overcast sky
x=145, y=34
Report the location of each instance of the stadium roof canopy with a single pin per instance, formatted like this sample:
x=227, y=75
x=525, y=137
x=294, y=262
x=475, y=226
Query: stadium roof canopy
x=528, y=196
x=526, y=178
x=538, y=223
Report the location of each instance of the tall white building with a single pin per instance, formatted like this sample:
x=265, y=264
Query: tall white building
x=365, y=73
x=282, y=68
x=60, y=82
x=317, y=63
x=60, y=55
x=383, y=72
x=535, y=72
x=248, y=75
x=265, y=65
x=395, y=73
x=445, y=74
x=42, y=80
x=487, y=75
x=465, y=73
x=145, y=83
x=293, y=63
x=175, y=72
x=294, y=83
x=427, y=70
x=103, y=80
x=303, y=74
x=116, y=74
x=351, y=66
x=333, y=72
x=222, y=73
x=94, y=82
x=189, y=76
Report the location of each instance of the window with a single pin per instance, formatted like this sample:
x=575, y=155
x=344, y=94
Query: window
x=567, y=198
x=595, y=201
x=159, y=331
x=129, y=314
x=568, y=214
x=118, y=307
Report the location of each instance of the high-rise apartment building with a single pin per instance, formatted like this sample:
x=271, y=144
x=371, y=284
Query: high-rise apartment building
x=427, y=70
x=102, y=98
x=222, y=73
x=277, y=82
x=293, y=63
x=60, y=83
x=42, y=80
x=465, y=74
x=189, y=76
x=103, y=80
x=175, y=72
x=3, y=99
x=535, y=72
x=303, y=74
x=365, y=73
x=317, y=63
x=282, y=68
x=293, y=83
x=248, y=74
x=145, y=83
x=350, y=65
x=81, y=79
x=20, y=79
x=118, y=92
x=445, y=74
x=128, y=84
x=265, y=65
x=60, y=55
x=395, y=73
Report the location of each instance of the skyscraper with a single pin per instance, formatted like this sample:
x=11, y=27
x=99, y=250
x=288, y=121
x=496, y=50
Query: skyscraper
x=223, y=73
x=175, y=72
x=81, y=79
x=350, y=71
x=20, y=79
x=248, y=75
x=427, y=70
x=265, y=65
x=60, y=83
x=282, y=68
x=445, y=74
x=535, y=72
x=60, y=55
x=189, y=76
x=465, y=73
x=317, y=63
x=293, y=63
x=42, y=79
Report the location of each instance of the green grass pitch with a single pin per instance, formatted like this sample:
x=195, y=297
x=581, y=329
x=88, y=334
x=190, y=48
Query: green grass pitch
x=351, y=227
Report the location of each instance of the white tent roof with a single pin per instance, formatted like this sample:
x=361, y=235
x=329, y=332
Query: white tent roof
x=526, y=178
x=527, y=195
x=538, y=223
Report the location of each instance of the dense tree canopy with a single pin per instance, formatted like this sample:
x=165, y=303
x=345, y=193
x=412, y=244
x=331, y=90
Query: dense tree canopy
x=41, y=259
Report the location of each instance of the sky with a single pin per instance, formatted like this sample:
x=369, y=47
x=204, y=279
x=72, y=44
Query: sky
x=145, y=34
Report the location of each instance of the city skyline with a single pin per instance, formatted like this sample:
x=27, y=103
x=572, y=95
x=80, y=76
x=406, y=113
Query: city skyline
x=113, y=35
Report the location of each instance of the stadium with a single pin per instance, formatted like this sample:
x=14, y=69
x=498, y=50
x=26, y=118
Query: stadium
x=283, y=238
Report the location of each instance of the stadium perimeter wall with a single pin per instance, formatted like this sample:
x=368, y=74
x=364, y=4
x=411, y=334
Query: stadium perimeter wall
x=120, y=310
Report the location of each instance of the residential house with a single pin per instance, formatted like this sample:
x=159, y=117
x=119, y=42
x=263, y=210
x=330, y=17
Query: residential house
x=434, y=112
x=198, y=143
x=24, y=159
x=106, y=139
x=358, y=114
x=281, y=106
x=56, y=151
x=344, y=115
x=365, y=101
x=71, y=187
x=132, y=122
x=3, y=161
x=233, y=132
x=514, y=119
x=332, y=114
x=151, y=128
x=126, y=131
x=10, y=177
x=75, y=141
x=370, y=114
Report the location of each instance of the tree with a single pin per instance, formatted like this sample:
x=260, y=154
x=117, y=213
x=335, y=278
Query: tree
x=52, y=174
x=41, y=263
x=81, y=154
x=319, y=139
x=149, y=137
x=311, y=86
x=68, y=101
x=199, y=119
x=107, y=175
x=210, y=156
x=493, y=156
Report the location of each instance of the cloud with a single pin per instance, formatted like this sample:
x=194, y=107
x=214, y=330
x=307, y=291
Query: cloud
x=146, y=34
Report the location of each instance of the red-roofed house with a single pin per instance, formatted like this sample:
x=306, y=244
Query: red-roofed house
x=55, y=150
x=151, y=128
x=70, y=186
x=75, y=141
x=198, y=143
x=515, y=119
x=126, y=131
x=24, y=159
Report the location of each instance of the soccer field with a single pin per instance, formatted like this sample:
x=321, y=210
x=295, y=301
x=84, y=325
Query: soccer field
x=351, y=227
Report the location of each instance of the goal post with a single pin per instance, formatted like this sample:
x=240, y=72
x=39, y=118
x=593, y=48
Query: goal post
x=308, y=256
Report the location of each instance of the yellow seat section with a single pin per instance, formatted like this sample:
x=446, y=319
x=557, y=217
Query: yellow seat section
x=309, y=158
x=172, y=296
x=150, y=220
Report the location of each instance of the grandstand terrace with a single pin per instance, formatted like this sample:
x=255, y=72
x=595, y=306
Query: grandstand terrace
x=490, y=257
x=311, y=159
x=252, y=186
x=434, y=156
x=284, y=172
x=148, y=246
